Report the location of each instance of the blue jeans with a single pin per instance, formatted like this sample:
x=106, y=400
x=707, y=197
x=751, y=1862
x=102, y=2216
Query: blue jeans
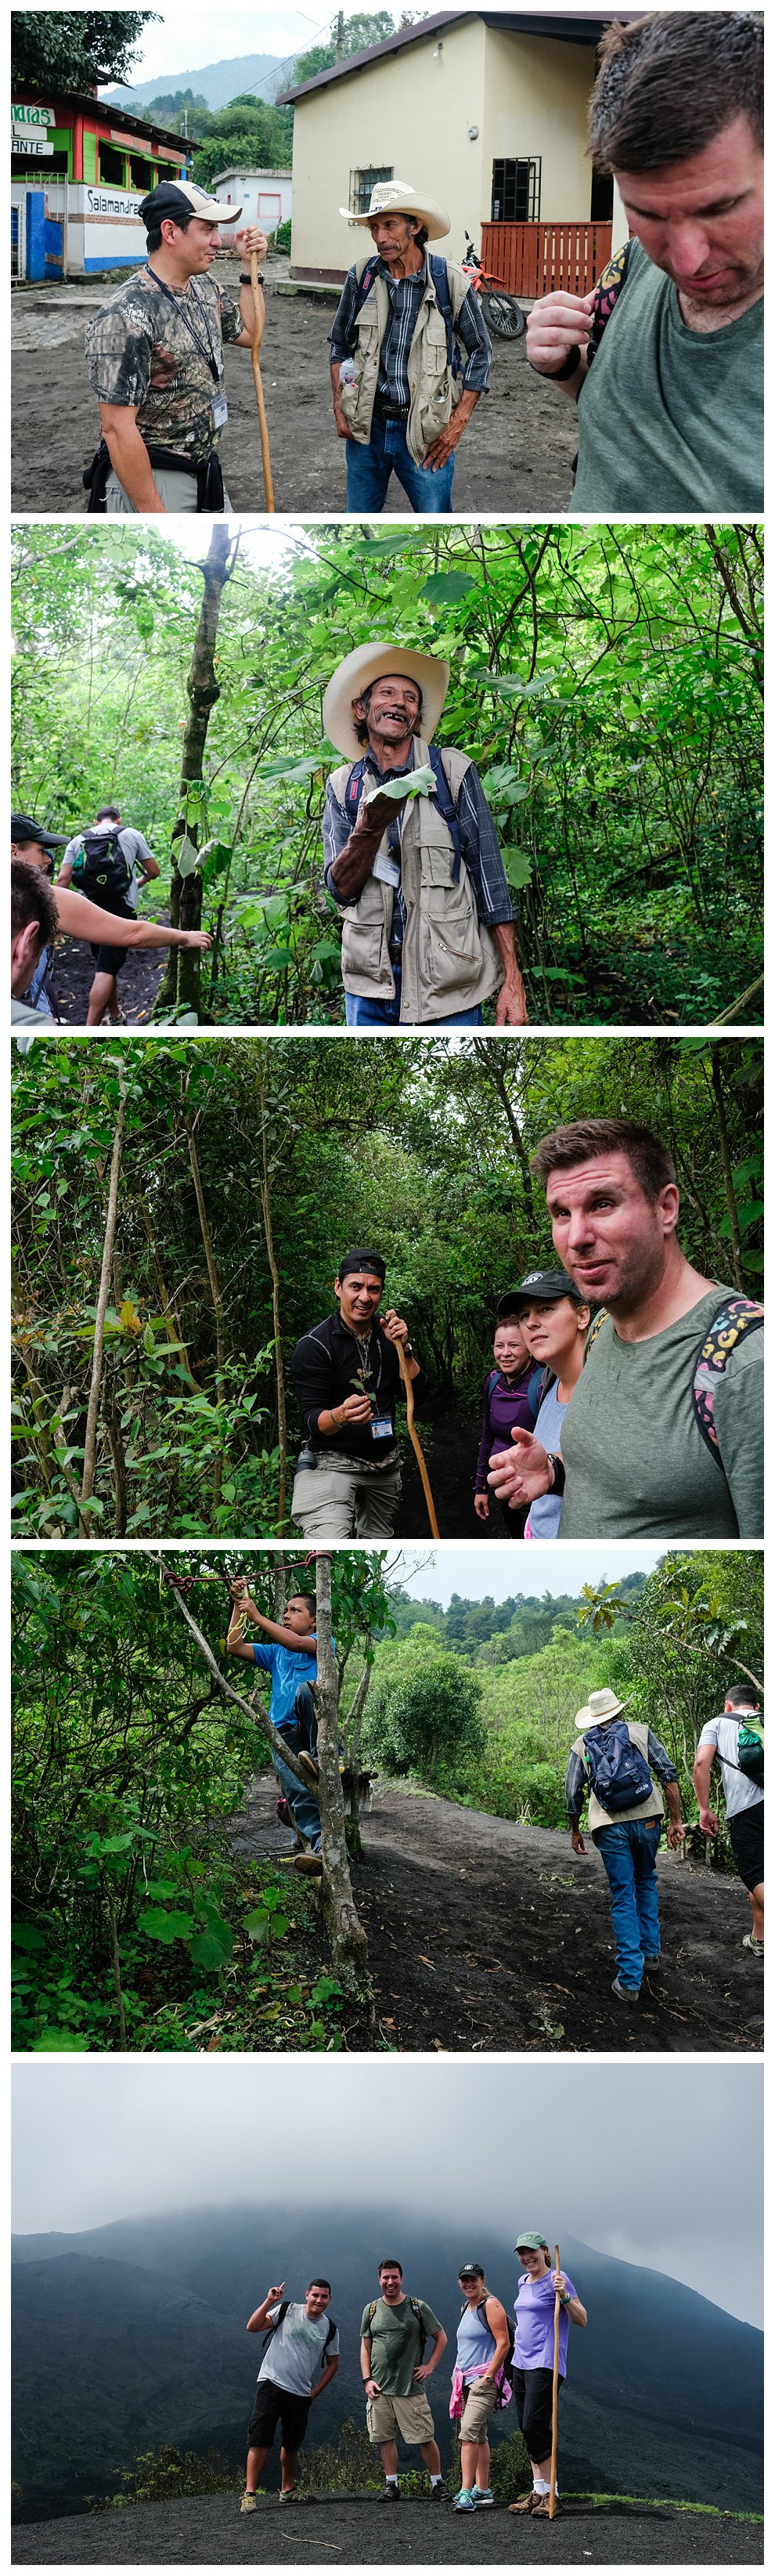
x=369, y=470
x=629, y=1856
x=362, y=1013
x=304, y=1807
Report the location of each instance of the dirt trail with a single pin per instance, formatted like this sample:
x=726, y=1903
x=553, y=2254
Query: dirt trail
x=515, y=457
x=497, y=1937
x=352, y=2531
x=138, y=981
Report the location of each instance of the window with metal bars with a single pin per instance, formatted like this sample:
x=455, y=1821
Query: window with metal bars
x=361, y=184
x=516, y=192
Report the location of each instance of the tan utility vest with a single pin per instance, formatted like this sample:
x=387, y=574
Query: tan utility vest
x=433, y=392
x=653, y=1806
x=449, y=959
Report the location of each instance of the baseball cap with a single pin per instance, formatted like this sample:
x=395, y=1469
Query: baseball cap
x=371, y=1262
x=533, y=2243
x=471, y=2272
x=540, y=1284
x=24, y=829
x=176, y=197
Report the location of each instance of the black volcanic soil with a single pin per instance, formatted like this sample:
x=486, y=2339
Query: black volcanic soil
x=489, y=1935
x=209, y=2531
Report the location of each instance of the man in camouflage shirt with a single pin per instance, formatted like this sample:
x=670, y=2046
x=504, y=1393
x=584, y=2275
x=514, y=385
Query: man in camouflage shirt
x=155, y=356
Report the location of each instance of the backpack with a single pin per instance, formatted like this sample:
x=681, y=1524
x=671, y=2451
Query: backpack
x=607, y=292
x=538, y=1386
x=438, y=272
x=374, y=2304
x=279, y=2320
x=750, y=1746
x=618, y=1772
x=443, y=794
x=737, y=1316
x=100, y=862
x=507, y=2365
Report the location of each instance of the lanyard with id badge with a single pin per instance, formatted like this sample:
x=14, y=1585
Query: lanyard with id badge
x=381, y=1425
x=219, y=405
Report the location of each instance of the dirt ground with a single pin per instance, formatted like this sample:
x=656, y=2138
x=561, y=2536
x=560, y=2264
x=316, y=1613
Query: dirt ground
x=138, y=982
x=206, y=2531
x=515, y=458
x=500, y=1938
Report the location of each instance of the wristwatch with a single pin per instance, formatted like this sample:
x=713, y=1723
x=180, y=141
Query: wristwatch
x=559, y=375
x=564, y=2298
x=246, y=280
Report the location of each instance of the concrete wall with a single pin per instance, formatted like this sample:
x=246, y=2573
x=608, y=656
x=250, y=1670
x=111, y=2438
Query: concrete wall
x=535, y=107
x=267, y=196
x=405, y=112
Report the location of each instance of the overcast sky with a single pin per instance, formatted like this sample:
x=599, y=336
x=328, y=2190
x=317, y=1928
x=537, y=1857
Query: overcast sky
x=656, y=2163
x=187, y=37
x=434, y=1573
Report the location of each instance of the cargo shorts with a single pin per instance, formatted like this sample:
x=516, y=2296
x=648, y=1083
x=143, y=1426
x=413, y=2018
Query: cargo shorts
x=409, y=2416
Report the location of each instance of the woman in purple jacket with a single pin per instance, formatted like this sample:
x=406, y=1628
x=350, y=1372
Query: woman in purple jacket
x=512, y=1393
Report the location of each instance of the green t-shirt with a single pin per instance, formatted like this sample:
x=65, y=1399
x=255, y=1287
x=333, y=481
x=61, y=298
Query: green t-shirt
x=636, y=1464
x=671, y=419
x=395, y=2343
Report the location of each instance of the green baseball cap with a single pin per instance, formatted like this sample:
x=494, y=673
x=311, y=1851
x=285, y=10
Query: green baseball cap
x=535, y=2244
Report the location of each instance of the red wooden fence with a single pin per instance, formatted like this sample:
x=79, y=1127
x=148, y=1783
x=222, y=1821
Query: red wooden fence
x=532, y=259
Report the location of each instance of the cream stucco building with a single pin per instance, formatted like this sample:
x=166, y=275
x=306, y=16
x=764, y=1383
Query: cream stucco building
x=486, y=108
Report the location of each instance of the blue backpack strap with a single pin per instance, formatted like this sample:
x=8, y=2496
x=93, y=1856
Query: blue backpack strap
x=352, y=793
x=537, y=1387
x=438, y=270
x=446, y=806
x=736, y=1317
x=364, y=283
x=490, y=1384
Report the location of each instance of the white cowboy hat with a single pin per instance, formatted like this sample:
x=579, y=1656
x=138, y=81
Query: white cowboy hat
x=395, y=197
x=372, y=662
x=601, y=1704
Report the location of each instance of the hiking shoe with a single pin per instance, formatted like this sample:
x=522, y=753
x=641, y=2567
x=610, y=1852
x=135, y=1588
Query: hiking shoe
x=528, y=2503
x=309, y=1766
x=391, y=2492
x=309, y=1863
x=626, y=1994
x=654, y=1963
x=541, y=2508
x=249, y=2503
x=286, y=2495
x=439, y=2492
x=465, y=2502
x=483, y=2495
x=750, y=1943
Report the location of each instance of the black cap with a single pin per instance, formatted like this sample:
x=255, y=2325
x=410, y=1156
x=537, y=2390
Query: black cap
x=547, y=1285
x=24, y=829
x=371, y=1261
x=174, y=198
x=472, y=2272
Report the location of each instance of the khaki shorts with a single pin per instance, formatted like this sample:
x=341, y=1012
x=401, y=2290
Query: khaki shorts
x=409, y=2416
x=479, y=2404
x=334, y=1502
x=177, y=491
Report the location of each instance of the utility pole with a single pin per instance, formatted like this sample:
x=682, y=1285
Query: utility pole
x=339, y=37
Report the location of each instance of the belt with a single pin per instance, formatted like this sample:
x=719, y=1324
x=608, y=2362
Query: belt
x=389, y=410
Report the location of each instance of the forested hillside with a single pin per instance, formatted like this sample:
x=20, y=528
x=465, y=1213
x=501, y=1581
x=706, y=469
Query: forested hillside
x=181, y=1209
x=606, y=681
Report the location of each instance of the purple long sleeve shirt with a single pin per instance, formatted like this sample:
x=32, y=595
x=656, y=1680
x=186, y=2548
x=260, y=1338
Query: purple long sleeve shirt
x=505, y=1408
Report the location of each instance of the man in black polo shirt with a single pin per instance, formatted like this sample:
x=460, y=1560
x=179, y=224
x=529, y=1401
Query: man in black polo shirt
x=346, y=1377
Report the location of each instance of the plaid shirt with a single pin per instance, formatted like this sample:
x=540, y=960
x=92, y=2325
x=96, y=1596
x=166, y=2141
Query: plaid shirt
x=406, y=294
x=477, y=840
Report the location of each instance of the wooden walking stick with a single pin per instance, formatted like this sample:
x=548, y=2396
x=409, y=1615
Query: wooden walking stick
x=260, y=405
x=404, y=1368
x=553, y=2470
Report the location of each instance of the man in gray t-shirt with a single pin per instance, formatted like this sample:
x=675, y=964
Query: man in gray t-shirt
x=301, y=2357
x=743, y=1796
x=671, y=414
x=128, y=863
x=664, y=1433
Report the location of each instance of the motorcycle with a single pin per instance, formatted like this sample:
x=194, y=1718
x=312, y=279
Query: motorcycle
x=502, y=313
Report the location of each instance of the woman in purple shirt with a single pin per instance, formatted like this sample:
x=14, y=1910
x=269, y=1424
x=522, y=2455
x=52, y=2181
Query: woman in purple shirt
x=511, y=1400
x=533, y=2372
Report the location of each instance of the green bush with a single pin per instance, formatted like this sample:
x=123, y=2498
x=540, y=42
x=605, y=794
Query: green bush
x=156, y=2476
x=342, y=2466
x=282, y=237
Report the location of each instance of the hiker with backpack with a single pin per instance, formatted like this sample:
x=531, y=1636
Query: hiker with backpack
x=427, y=917
x=403, y=388
x=394, y=2332
x=664, y=1434
x=736, y=1741
x=109, y=863
x=533, y=2371
x=480, y=2385
x=78, y=914
x=671, y=413
x=300, y=2342
x=554, y=1319
x=622, y=1768
x=512, y=1394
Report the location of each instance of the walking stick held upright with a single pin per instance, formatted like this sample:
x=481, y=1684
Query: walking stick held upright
x=409, y=1392
x=260, y=405
x=553, y=2471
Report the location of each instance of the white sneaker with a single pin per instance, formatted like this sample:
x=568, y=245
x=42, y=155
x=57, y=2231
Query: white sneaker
x=248, y=2504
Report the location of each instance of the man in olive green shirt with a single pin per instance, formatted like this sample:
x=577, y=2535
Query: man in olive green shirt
x=394, y=2330
x=671, y=412
x=664, y=1433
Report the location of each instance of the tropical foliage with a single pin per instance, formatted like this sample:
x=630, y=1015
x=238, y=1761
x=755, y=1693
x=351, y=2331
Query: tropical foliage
x=606, y=681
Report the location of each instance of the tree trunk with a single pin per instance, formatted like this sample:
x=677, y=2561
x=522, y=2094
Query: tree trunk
x=349, y=1949
x=181, y=985
x=217, y=1298
x=266, y=1206
x=90, y=1444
